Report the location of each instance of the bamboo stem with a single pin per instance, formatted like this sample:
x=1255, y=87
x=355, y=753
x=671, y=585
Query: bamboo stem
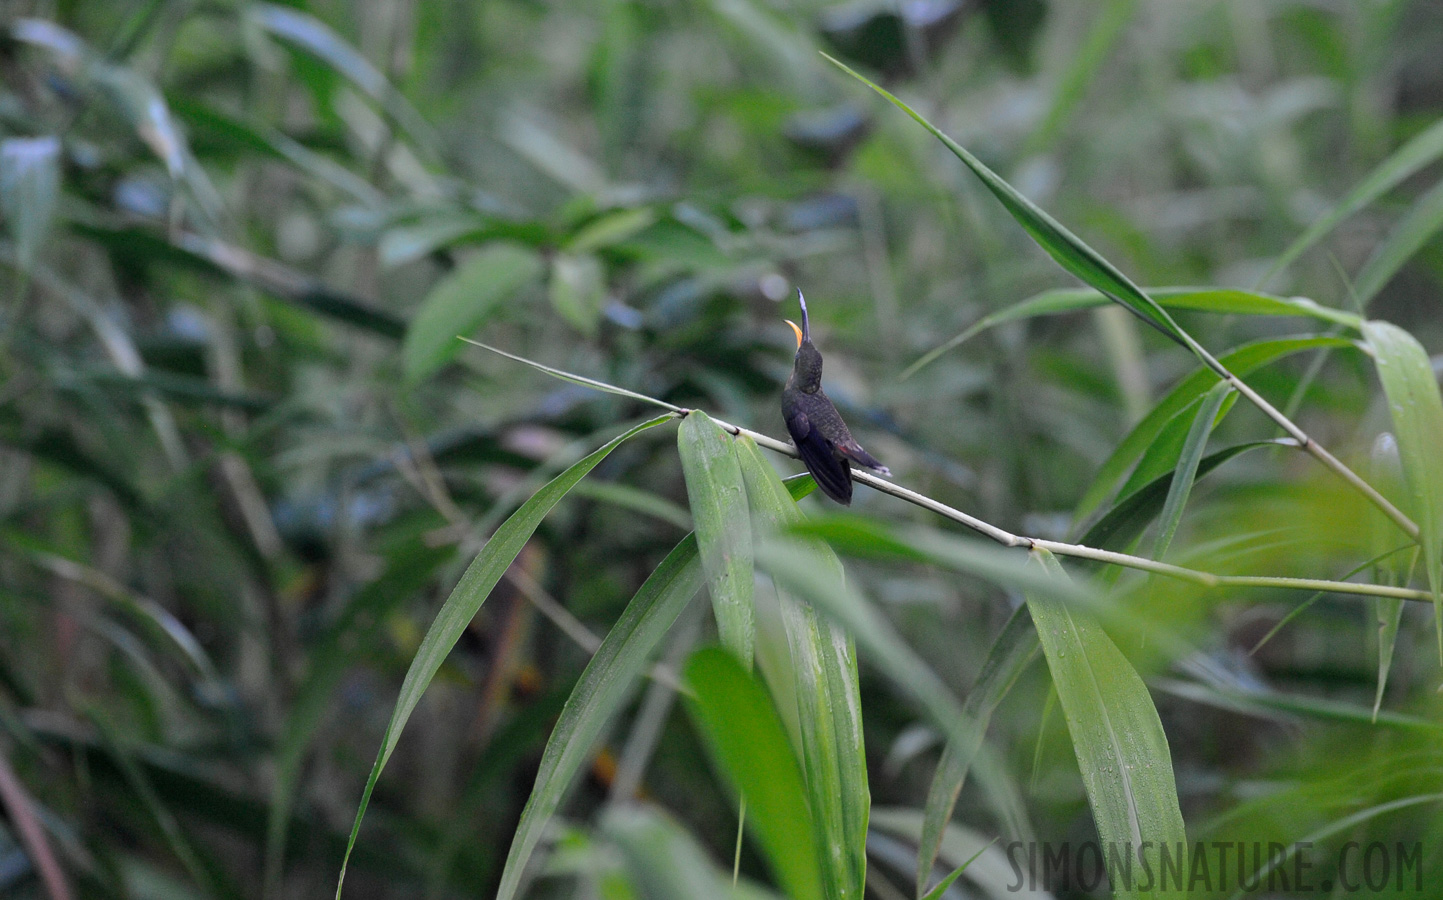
x=1079, y=551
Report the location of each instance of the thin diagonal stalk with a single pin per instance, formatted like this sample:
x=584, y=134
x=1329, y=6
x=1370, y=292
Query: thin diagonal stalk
x=1079, y=551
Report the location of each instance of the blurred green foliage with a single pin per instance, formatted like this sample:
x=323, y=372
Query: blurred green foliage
x=243, y=461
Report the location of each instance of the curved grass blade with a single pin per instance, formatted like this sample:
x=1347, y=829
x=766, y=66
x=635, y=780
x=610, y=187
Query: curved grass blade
x=826, y=686
x=1423, y=220
x=605, y=684
x=1412, y=156
x=1240, y=362
x=1417, y=410
x=1209, y=412
x=1198, y=299
x=745, y=738
x=718, y=497
x=458, y=610
x=577, y=379
x=461, y=302
x=1066, y=248
x=1011, y=653
x=1116, y=735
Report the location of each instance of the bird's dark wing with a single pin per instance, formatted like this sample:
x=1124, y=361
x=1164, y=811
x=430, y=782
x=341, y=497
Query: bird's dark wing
x=833, y=474
x=853, y=451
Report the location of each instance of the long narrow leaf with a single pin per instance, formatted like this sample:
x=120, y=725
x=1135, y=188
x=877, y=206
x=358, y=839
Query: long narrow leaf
x=1011, y=653
x=577, y=379
x=1116, y=735
x=793, y=570
x=1214, y=300
x=1240, y=362
x=718, y=498
x=604, y=685
x=1187, y=466
x=745, y=738
x=458, y=610
x=1131, y=516
x=1414, y=402
x=826, y=687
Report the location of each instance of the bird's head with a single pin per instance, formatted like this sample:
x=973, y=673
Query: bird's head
x=807, y=367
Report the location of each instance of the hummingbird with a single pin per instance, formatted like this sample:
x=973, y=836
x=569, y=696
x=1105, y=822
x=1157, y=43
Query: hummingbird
x=826, y=446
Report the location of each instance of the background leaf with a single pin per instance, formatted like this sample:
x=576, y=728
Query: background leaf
x=462, y=302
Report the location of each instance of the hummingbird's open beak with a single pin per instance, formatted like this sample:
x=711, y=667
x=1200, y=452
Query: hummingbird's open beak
x=806, y=324
x=798, y=331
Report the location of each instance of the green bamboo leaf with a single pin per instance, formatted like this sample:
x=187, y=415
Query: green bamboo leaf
x=1423, y=220
x=1130, y=517
x=1228, y=301
x=1066, y=248
x=460, y=608
x=746, y=741
x=603, y=687
x=29, y=188
x=461, y=302
x=825, y=683
x=1116, y=735
x=794, y=571
x=662, y=859
x=1240, y=362
x=1011, y=653
x=1386, y=469
x=1162, y=454
x=1412, y=156
x=1417, y=410
x=1209, y=412
x=718, y=497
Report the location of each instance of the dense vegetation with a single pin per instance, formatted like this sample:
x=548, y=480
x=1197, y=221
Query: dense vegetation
x=264, y=515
